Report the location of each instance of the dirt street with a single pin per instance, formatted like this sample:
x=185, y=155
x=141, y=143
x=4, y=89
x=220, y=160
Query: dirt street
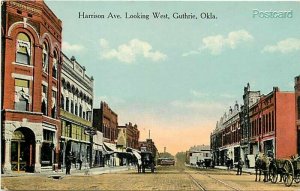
x=165, y=178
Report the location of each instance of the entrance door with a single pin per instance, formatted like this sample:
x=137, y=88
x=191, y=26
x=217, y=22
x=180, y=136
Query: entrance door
x=18, y=157
x=22, y=150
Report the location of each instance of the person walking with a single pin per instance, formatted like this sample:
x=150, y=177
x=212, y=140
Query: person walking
x=240, y=167
x=69, y=159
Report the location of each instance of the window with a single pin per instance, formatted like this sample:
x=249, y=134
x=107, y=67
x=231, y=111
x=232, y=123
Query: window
x=67, y=104
x=45, y=57
x=76, y=109
x=44, y=100
x=80, y=111
x=53, y=108
x=83, y=115
x=48, y=135
x=54, y=66
x=72, y=106
x=23, y=49
x=21, y=94
x=62, y=102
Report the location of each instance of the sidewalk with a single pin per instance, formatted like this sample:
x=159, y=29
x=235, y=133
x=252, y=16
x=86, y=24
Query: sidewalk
x=245, y=170
x=74, y=172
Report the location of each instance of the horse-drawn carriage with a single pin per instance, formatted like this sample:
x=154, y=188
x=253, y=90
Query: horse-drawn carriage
x=287, y=169
x=147, y=162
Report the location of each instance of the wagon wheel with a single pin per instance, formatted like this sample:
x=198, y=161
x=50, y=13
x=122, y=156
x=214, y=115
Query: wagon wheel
x=289, y=173
x=273, y=174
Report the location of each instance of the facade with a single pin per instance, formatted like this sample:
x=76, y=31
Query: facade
x=199, y=153
x=31, y=65
x=149, y=145
x=225, y=139
x=128, y=136
x=105, y=120
x=266, y=123
x=249, y=98
x=297, y=101
x=76, y=111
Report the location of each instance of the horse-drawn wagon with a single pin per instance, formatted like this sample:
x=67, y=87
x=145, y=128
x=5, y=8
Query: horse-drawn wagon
x=292, y=171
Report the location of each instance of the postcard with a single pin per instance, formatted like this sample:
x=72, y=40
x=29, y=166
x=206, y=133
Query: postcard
x=191, y=93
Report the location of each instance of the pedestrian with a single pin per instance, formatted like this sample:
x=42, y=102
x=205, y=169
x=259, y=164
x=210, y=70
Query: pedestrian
x=240, y=167
x=69, y=159
x=80, y=161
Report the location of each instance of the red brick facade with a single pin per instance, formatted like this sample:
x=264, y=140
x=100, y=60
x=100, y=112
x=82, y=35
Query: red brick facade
x=106, y=121
x=132, y=135
x=31, y=46
x=297, y=100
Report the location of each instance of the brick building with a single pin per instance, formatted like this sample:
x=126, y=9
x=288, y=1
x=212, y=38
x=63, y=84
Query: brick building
x=269, y=122
x=297, y=100
x=31, y=46
x=76, y=111
x=128, y=136
x=105, y=120
x=149, y=145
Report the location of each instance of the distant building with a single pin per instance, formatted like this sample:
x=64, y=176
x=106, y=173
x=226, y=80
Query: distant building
x=149, y=145
x=199, y=153
x=31, y=64
x=266, y=123
x=128, y=136
x=105, y=120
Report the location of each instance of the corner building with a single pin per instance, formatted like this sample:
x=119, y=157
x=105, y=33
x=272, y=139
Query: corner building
x=30, y=64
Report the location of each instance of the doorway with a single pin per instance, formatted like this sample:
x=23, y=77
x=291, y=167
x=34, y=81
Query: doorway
x=23, y=150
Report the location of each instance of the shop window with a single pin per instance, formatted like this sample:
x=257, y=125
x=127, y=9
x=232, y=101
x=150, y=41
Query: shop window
x=23, y=52
x=21, y=94
x=53, y=108
x=45, y=57
x=44, y=100
x=54, y=66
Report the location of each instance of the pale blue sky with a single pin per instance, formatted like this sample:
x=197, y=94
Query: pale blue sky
x=195, y=69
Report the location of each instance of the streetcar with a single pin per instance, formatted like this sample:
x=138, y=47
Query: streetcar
x=165, y=161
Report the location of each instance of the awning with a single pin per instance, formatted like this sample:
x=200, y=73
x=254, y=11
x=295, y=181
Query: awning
x=107, y=150
x=125, y=154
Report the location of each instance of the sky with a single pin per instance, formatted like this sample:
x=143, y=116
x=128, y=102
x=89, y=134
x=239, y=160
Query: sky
x=177, y=77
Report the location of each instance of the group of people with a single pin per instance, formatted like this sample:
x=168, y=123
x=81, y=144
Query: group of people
x=71, y=158
x=239, y=165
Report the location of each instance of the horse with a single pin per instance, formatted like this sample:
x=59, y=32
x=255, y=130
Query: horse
x=262, y=164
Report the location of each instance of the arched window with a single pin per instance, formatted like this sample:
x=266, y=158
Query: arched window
x=80, y=111
x=298, y=104
x=54, y=66
x=72, y=106
x=44, y=100
x=76, y=109
x=62, y=102
x=45, y=57
x=67, y=104
x=23, y=49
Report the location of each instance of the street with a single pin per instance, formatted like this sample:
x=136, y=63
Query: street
x=165, y=178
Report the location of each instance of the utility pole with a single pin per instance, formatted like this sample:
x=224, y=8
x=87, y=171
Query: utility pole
x=149, y=133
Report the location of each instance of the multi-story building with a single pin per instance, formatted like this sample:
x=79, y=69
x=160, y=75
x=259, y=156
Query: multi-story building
x=76, y=111
x=249, y=98
x=297, y=99
x=225, y=139
x=105, y=120
x=272, y=125
x=149, y=145
x=128, y=136
x=30, y=64
x=269, y=122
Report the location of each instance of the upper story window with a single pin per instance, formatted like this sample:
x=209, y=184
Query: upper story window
x=54, y=66
x=23, y=49
x=53, y=108
x=44, y=100
x=21, y=94
x=45, y=57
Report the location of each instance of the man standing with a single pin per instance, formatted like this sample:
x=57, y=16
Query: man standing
x=240, y=167
x=69, y=159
